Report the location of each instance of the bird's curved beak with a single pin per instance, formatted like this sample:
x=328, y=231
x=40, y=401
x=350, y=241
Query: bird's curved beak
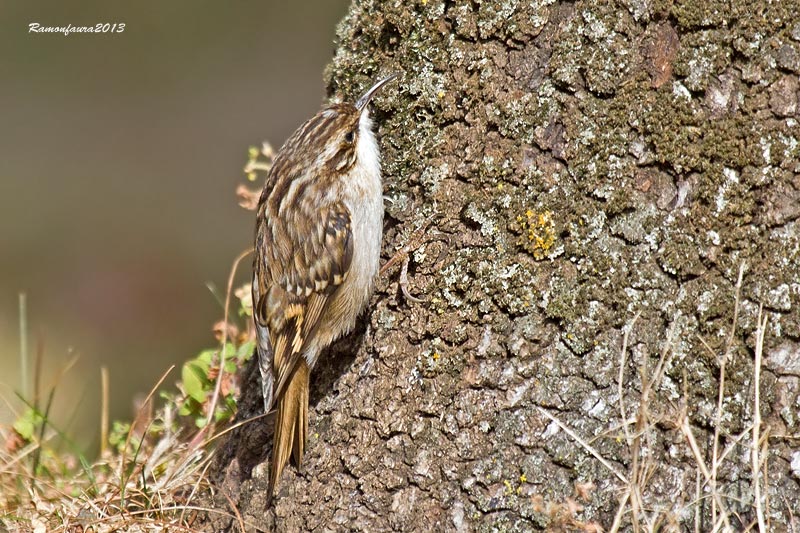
x=364, y=100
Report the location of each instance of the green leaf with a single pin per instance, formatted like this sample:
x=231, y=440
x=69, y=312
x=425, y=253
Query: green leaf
x=230, y=350
x=195, y=380
x=186, y=409
x=205, y=357
x=26, y=424
x=118, y=434
x=230, y=403
x=245, y=351
x=167, y=395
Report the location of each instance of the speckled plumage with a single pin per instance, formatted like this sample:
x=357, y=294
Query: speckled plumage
x=317, y=247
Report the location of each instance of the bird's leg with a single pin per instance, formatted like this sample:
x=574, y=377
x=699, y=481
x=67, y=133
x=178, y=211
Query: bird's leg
x=404, y=281
x=403, y=256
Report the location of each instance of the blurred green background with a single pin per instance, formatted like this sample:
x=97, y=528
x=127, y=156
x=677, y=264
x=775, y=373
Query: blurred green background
x=119, y=157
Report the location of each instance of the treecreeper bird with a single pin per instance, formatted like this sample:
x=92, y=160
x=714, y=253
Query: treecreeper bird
x=318, y=236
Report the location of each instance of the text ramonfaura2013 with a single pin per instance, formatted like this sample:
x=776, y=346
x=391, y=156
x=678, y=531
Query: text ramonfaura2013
x=102, y=27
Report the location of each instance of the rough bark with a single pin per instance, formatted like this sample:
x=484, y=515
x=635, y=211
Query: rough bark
x=556, y=169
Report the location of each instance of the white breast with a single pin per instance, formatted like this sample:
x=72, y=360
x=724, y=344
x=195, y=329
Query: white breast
x=363, y=196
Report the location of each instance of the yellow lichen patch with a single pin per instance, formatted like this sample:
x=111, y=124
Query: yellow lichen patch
x=538, y=232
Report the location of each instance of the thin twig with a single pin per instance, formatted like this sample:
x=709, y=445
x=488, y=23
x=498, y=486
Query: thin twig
x=765, y=459
x=623, y=501
x=762, y=325
x=103, y=410
x=214, y=437
x=621, y=377
x=721, y=391
x=734, y=442
x=697, y=498
x=23, y=343
x=196, y=486
x=789, y=509
x=639, y=475
x=698, y=457
x=585, y=446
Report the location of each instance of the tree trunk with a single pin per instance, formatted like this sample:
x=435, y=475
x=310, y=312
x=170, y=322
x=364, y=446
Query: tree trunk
x=578, y=185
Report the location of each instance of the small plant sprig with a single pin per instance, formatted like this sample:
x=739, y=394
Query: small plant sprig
x=259, y=162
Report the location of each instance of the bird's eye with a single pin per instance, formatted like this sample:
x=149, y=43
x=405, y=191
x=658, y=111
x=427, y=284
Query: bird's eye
x=349, y=136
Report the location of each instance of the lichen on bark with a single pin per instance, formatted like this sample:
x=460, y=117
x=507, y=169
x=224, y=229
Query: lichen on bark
x=661, y=140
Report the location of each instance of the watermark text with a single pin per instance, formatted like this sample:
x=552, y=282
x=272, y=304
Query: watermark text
x=101, y=27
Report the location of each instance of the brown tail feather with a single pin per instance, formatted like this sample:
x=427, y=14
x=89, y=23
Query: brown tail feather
x=301, y=427
x=291, y=424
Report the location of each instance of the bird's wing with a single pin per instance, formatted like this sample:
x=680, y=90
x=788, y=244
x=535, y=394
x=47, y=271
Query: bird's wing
x=299, y=266
x=295, y=276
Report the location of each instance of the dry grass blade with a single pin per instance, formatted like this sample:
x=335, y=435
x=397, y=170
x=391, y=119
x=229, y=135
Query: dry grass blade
x=721, y=389
x=621, y=508
x=122, y=478
x=639, y=473
x=228, y=292
x=686, y=429
x=644, y=511
x=239, y=518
